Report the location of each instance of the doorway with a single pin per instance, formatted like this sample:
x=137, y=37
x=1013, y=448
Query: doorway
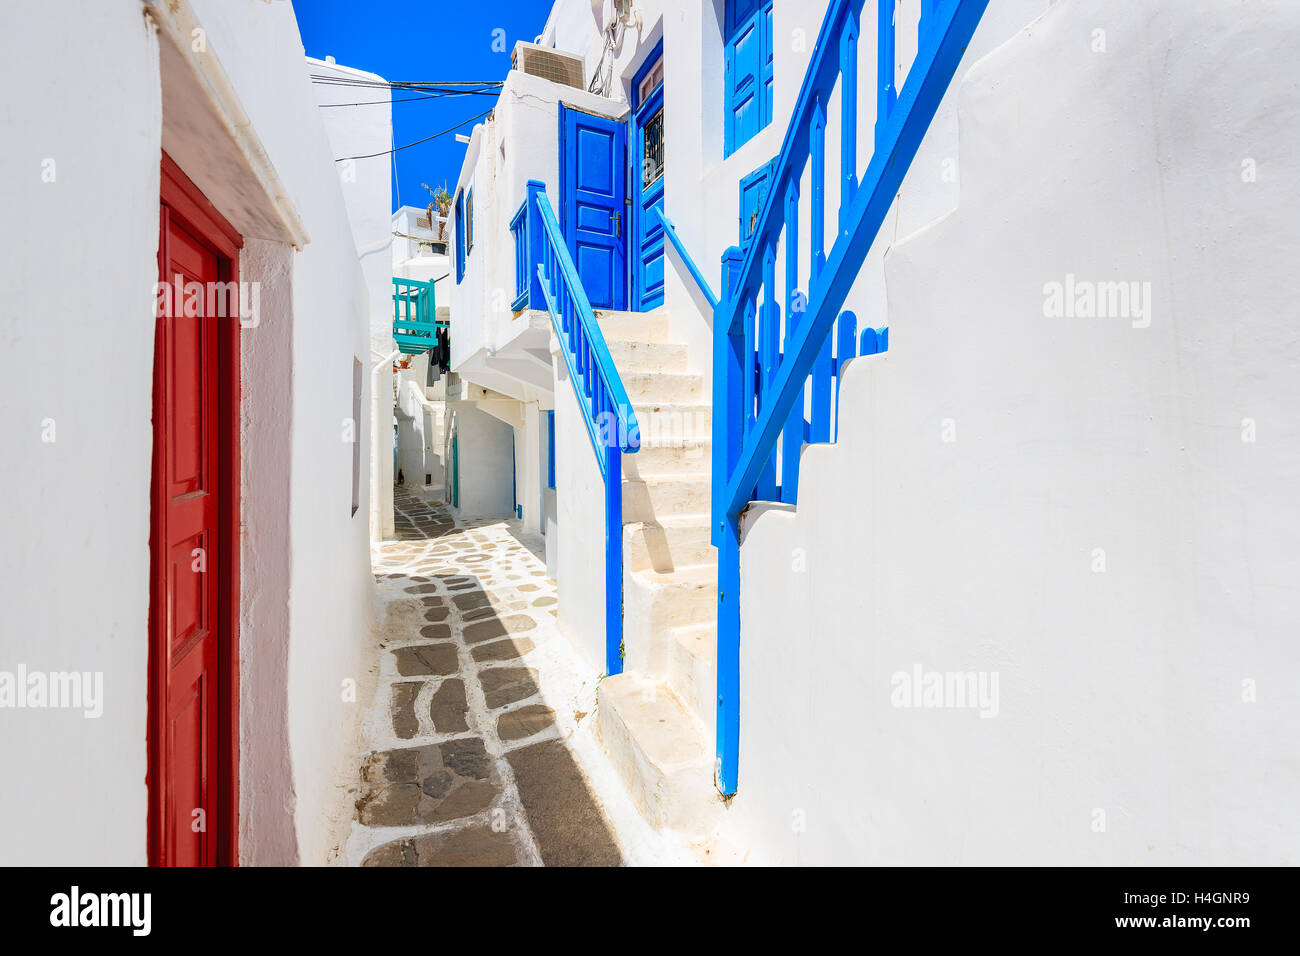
x=647, y=239
x=593, y=200
x=194, y=534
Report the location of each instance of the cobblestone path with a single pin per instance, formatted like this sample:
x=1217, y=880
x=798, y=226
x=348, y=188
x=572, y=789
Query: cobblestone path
x=469, y=763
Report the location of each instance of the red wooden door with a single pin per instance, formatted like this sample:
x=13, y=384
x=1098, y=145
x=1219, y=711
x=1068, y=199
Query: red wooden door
x=193, y=521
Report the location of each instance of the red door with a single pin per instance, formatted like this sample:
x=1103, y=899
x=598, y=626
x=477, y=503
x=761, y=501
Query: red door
x=194, y=519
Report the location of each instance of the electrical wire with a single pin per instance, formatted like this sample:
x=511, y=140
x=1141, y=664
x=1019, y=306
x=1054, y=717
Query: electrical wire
x=412, y=99
x=325, y=80
x=426, y=139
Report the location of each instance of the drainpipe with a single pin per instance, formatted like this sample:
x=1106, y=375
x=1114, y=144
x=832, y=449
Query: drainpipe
x=381, y=510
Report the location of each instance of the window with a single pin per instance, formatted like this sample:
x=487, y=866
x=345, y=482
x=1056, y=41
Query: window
x=652, y=163
x=747, y=40
x=469, y=222
x=651, y=81
x=460, y=237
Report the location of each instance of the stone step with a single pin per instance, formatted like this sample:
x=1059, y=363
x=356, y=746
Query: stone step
x=655, y=602
x=664, y=496
x=674, y=387
x=693, y=669
x=668, y=543
x=634, y=326
x=648, y=356
x=661, y=753
x=663, y=423
x=669, y=457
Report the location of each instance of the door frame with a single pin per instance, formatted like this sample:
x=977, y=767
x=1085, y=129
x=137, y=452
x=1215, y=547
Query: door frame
x=565, y=213
x=180, y=200
x=641, y=111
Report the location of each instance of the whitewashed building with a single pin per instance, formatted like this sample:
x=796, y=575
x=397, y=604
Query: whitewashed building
x=186, y=557
x=1028, y=530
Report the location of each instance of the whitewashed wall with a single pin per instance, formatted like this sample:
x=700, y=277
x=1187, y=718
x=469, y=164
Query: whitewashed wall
x=485, y=451
x=76, y=591
x=331, y=589
x=74, y=565
x=1074, y=504
x=576, y=538
x=367, y=194
x=366, y=183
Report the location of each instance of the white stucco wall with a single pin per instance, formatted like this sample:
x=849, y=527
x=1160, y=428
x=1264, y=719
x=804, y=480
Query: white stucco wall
x=485, y=455
x=420, y=425
x=74, y=567
x=1143, y=713
x=366, y=183
x=77, y=590
x=578, y=532
x=331, y=590
x=367, y=195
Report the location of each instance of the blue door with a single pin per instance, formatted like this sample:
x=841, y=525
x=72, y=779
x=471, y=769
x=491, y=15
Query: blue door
x=593, y=197
x=648, y=184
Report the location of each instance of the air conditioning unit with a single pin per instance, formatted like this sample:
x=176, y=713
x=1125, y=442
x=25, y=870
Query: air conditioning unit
x=563, y=68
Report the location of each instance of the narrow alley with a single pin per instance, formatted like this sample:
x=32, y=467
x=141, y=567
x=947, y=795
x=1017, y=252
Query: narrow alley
x=480, y=730
x=610, y=433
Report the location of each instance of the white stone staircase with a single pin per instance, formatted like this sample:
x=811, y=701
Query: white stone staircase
x=656, y=719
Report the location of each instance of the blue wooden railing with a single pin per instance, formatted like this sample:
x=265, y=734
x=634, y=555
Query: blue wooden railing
x=671, y=232
x=526, y=227
x=606, y=410
x=758, y=380
x=415, y=323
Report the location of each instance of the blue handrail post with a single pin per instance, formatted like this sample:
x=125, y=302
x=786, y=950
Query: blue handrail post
x=728, y=428
x=603, y=402
x=613, y=556
x=886, y=92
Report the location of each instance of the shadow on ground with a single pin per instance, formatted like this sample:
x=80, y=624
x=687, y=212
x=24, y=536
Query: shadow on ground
x=487, y=778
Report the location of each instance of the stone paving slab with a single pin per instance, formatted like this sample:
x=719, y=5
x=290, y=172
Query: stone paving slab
x=429, y=784
x=434, y=660
x=567, y=824
x=525, y=721
x=507, y=685
x=508, y=650
x=448, y=707
x=472, y=846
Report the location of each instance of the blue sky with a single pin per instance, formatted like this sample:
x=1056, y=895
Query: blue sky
x=422, y=40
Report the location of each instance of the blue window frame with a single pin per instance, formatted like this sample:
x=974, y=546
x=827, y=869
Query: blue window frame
x=747, y=40
x=469, y=222
x=460, y=237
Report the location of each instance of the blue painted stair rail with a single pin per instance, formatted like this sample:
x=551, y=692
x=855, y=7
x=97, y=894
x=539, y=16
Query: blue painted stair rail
x=758, y=379
x=671, y=232
x=606, y=409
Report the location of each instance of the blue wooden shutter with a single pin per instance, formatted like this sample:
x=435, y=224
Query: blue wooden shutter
x=748, y=64
x=753, y=190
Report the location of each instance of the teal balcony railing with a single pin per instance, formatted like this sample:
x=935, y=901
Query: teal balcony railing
x=415, y=323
